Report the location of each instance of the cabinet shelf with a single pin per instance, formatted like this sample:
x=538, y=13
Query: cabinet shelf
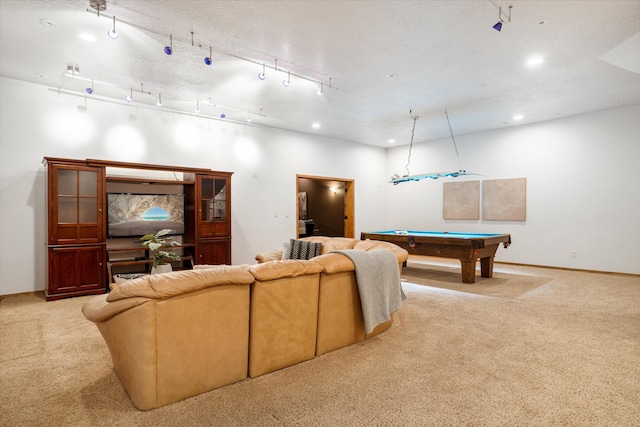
x=151, y=181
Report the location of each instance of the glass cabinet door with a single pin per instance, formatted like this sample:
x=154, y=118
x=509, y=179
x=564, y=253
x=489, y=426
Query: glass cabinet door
x=213, y=207
x=77, y=207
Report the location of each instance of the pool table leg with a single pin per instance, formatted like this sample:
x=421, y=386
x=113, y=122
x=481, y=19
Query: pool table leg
x=468, y=270
x=486, y=267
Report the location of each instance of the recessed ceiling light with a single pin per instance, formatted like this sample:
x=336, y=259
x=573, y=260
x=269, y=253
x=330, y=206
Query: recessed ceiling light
x=534, y=61
x=391, y=76
x=315, y=125
x=86, y=37
x=40, y=75
x=391, y=141
x=47, y=23
x=541, y=22
x=518, y=117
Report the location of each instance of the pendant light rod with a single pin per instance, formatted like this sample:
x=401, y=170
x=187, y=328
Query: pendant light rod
x=413, y=131
x=454, y=140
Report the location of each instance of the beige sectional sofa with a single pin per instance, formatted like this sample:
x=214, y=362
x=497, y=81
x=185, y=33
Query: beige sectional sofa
x=340, y=319
x=176, y=335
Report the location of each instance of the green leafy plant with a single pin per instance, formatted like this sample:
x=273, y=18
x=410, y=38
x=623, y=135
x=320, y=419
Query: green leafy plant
x=155, y=242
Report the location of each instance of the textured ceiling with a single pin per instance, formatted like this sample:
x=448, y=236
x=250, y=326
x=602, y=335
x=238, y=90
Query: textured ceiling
x=382, y=59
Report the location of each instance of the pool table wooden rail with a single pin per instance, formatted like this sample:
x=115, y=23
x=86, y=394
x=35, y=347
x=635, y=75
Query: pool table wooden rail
x=450, y=245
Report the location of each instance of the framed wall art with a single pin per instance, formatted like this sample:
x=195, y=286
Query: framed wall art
x=504, y=199
x=461, y=200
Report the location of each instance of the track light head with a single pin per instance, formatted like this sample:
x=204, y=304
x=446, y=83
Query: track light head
x=262, y=75
x=286, y=83
x=501, y=18
x=113, y=34
x=159, y=102
x=169, y=49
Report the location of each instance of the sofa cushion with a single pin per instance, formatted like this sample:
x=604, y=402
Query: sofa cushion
x=330, y=244
x=285, y=268
x=302, y=249
x=162, y=286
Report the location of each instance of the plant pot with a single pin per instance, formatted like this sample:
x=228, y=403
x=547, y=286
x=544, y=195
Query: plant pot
x=161, y=268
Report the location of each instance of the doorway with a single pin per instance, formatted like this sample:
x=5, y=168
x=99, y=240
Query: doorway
x=324, y=206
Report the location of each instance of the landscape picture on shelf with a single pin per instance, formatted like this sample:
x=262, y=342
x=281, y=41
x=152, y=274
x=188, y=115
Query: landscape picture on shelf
x=139, y=214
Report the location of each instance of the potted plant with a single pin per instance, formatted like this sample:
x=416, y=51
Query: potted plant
x=161, y=259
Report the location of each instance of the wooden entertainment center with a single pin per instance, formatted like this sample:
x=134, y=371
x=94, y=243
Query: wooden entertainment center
x=81, y=258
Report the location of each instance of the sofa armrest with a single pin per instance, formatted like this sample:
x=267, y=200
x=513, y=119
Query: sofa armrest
x=97, y=309
x=368, y=245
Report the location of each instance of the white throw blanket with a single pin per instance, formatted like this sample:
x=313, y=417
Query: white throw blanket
x=379, y=285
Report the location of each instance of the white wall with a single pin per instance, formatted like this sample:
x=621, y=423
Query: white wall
x=583, y=178
x=583, y=188
x=37, y=122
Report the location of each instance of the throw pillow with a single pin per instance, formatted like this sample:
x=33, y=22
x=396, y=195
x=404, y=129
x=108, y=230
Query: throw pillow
x=286, y=253
x=302, y=249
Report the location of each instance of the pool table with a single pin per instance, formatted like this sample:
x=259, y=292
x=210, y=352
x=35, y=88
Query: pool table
x=467, y=247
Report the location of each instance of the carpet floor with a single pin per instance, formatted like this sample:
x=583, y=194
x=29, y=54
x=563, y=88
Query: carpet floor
x=528, y=347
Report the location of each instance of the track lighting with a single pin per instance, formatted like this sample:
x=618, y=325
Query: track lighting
x=249, y=117
x=498, y=25
x=129, y=97
x=159, y=103
x=113, y=33
x=197, y=106
x=101, y=5
x=98, y=5
x=223, y=116
x=169, y=49
x=90, y=89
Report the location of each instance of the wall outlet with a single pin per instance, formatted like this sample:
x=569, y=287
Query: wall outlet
x=573, y=254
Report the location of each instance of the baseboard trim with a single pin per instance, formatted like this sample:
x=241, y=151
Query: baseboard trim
x=615, y=273
x=22, y=294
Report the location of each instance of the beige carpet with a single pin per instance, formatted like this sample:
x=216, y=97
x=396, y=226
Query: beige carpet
x=529, y=347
